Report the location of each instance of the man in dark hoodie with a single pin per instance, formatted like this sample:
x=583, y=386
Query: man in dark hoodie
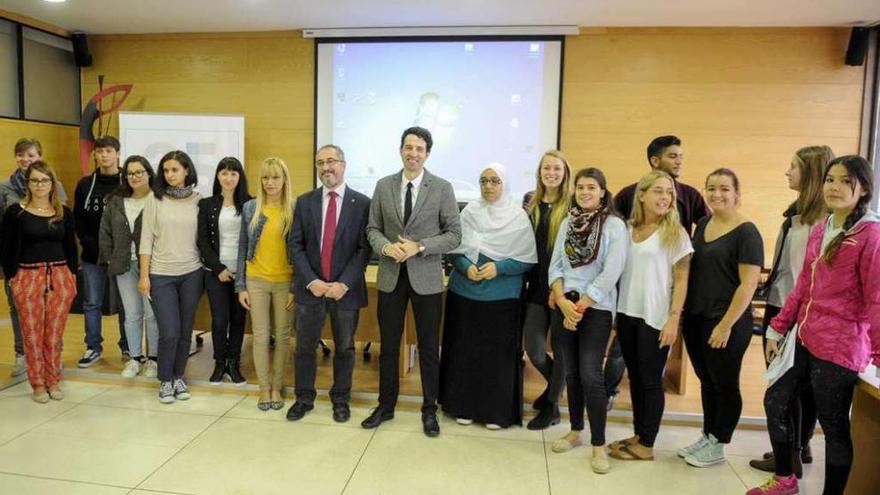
x=89, y=201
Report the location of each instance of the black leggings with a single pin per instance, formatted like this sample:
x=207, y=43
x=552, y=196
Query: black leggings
x=803, y=409
x=645, y=361
x=833, y=388
x=718, y=371
x=583, y=351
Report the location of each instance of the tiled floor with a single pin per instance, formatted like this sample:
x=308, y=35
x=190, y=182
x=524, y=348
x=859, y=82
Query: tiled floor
x=118, y=439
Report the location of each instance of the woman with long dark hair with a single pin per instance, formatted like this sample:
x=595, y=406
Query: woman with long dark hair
x=832, y=313
x=118, y=239
x=39, y=257
x=218, y=240
x=171, y=270
x=588, y=258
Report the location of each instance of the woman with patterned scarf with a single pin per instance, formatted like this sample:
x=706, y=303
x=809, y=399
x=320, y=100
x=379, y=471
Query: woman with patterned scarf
x=588, y=258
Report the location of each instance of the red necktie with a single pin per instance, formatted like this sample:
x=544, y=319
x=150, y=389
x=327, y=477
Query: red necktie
x=329, y=236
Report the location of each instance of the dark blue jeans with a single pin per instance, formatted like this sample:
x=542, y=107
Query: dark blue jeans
x=13, y=318
x=94, y=281
x=310, y=320
x=175, y=299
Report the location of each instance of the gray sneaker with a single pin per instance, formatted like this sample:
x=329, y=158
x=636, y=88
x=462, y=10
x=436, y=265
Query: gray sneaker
x=712, y=453
x=166, y=393
x=180, y=390
x=690, y=449
x=20, y=366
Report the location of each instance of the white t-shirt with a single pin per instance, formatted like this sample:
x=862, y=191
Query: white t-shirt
x=133, y=208
x=646, y=283
x=230, y=230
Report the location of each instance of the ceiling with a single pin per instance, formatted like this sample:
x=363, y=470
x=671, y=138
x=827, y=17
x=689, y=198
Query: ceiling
x=163, y=16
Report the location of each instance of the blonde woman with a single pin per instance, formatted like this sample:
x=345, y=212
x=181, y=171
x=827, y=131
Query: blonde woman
x=653, y=288
x=264, y=279
x=547, y=206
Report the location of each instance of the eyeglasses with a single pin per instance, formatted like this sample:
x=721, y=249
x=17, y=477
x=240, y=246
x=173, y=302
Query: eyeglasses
x=136, y=173
x=495, y=181
x=40, y=182
x=329, y=161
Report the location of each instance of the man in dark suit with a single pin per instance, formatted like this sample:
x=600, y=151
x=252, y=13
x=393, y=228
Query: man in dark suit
x=330, y=252
x=413, y=222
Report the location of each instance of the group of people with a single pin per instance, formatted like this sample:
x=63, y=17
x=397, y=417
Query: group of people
x=591, y=270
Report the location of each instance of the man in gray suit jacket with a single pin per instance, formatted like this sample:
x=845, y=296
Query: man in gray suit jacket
x=413, y=222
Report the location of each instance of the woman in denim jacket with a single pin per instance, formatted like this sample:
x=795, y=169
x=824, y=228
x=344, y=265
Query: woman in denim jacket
x=264, y=279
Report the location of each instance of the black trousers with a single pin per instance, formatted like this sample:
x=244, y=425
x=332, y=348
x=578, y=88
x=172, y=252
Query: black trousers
x=583, y=351
x=310, y=320
x=391, y=313
x=645, y=361
x=175, y=298
x=718, y=371
x=803, y=410
x=614, y=368
x=833, y=388
x=227, y=318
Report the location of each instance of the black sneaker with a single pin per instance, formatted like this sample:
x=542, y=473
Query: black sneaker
x=219, y=371
x=89, y=358
x=166, y=393
x=546, y=417
x=233, y=369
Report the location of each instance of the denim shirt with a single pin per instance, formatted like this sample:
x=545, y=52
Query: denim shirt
x=598, y=280
x=247, y=244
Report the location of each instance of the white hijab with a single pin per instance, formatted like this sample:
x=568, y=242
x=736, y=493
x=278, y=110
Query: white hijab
x=499, y=230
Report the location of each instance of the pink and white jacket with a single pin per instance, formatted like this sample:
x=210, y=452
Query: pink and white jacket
x=838, y=306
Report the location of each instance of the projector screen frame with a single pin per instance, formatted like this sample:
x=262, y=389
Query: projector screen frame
x=424, y=39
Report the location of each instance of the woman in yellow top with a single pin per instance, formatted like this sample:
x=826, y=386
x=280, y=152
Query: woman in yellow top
x=264, y=280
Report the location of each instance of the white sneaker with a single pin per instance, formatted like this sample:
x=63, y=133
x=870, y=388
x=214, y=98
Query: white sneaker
x=464, y=421
x=132, y=368
x=492, y=426
x=699, y=444
x=712, y=453
x=20, y=367
x=151, y=369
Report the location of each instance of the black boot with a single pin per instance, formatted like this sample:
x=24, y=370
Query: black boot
x=547, y=417
x=542, y=402
x=233, y=367
x=219, y=371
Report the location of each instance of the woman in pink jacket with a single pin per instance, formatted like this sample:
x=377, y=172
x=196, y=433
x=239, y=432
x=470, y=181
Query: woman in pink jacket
x=836, y=304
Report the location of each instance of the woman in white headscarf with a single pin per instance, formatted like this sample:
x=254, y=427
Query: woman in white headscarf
x=480, y=366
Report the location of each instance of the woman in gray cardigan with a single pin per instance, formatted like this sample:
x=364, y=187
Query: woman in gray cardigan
x=119, y=237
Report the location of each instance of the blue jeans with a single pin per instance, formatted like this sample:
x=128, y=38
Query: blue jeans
x=13, y=318
x=94, y=281
x=137, y=312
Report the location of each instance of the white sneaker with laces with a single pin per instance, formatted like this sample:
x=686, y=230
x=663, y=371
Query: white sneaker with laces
x=712, y=453
x=132, y=368
x=151, y=369
x=686, y=451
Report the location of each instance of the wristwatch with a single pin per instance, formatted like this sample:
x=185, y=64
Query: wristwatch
x=421, y=248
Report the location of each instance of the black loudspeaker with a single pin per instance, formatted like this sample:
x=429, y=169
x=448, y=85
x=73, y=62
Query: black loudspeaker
x=858, y=46
x=81, y=54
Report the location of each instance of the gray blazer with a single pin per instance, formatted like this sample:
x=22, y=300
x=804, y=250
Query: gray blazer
x=434, y=223
x=116, y=235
